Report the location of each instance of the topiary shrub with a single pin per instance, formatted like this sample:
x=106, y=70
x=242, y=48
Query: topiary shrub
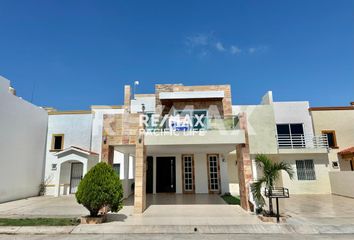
x=100, y=187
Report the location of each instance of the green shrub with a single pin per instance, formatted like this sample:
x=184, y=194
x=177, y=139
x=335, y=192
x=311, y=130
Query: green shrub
x=100, y=187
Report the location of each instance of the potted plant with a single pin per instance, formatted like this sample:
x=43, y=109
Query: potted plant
x=271, y=172
x=100, y=188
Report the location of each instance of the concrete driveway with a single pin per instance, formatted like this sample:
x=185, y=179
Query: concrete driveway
x=318, y=209
x=47, y=206
x=162, y=209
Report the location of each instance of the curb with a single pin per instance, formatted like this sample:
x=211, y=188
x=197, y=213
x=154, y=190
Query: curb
x=181, y=229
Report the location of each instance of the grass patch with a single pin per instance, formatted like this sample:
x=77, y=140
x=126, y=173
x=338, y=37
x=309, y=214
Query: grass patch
x=232, y=200
x=39, y=222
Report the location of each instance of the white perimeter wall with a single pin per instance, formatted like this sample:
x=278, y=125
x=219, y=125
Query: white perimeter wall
x=22, y=145
x=342, y=183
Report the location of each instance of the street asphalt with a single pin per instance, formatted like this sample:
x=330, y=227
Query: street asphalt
x=178, y=236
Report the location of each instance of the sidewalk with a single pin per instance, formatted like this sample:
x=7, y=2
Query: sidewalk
x=183, y=229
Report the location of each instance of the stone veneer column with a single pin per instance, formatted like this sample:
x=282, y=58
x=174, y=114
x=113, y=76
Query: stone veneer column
x=140, y=175
x=244, y=165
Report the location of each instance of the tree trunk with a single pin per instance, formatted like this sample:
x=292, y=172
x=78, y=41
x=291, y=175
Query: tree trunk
x=270, y=207
x=94, y=213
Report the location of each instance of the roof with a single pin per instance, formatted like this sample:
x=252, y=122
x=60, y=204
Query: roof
x=347, y=151
x=350, y=107
x=69, y=112
x=77, y=149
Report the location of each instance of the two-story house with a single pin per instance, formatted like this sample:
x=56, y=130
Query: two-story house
x=186, y=140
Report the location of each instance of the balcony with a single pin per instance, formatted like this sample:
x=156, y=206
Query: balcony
x=187, y=130
x=196, y=123
x=302, y=143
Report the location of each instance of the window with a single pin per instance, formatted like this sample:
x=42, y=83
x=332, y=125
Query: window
x=57, y=142
x=291, y=135
x=54, y=166
x=331, y=136
x=213, y=167
x=188, y=173
x=116, y=168
x=305, y=170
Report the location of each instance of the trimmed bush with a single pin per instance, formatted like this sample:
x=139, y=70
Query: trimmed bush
x=99, y=188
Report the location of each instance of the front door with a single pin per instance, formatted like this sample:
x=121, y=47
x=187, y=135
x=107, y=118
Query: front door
x=165, y=174
x=76, y=176
x=149, y=174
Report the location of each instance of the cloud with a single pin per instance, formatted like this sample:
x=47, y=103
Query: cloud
x=257, y=49
x=197, y=40
x=235, y=50
x=205, y=44
x=252, y=50
x=220, y=47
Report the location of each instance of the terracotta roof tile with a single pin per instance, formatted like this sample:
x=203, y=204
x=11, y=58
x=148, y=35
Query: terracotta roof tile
x=347, y=151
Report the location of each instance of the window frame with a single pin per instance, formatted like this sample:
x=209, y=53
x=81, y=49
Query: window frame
x=53, y=142
x=119, y=165
x=217, y=191
x=334, y=138
x=305, y=174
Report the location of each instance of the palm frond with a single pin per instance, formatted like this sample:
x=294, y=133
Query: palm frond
x=263, y=161
x=256, y=189
x=286, y=167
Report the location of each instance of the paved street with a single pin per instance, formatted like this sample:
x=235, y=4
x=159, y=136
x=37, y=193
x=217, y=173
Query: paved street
x=177, y=236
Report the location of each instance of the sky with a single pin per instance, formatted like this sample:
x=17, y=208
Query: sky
x=73, y=54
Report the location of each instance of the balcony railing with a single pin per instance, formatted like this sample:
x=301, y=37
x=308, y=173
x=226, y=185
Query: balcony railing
x=296, y=141
x=194, y=124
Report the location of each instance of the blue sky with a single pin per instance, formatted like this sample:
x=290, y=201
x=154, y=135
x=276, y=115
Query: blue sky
x=80, y=53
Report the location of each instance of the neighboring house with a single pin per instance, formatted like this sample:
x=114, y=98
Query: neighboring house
x=23, y=129
x=304, y=149
x=337, y=124
x=74, y=140
x=187, y=140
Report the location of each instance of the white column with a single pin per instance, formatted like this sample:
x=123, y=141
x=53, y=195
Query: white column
x=154, y=175
x=254, y=170
x=84, y=168
x=57, y=181
x=126, y=175
x=223, y=173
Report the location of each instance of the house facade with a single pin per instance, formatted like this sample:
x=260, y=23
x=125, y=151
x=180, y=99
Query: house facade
x=187, y=140
x=337, y=124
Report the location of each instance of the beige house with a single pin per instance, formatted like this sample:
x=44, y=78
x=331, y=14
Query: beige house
x=338, y=124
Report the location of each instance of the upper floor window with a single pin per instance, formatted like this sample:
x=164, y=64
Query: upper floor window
x=290, y=129
x=291, y=135
x=331, y=137
x=57, y=142
x=305, y=170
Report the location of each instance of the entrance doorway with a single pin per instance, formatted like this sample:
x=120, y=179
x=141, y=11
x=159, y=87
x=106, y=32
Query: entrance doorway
x=149, y=174
x=76, y=176
x=166, y=174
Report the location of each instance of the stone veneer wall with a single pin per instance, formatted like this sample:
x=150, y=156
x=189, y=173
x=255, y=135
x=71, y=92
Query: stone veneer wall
x=244, y=165
x=224, y=105
x=118, y=129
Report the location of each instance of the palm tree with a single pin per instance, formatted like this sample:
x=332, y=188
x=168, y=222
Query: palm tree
x=271, y=172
